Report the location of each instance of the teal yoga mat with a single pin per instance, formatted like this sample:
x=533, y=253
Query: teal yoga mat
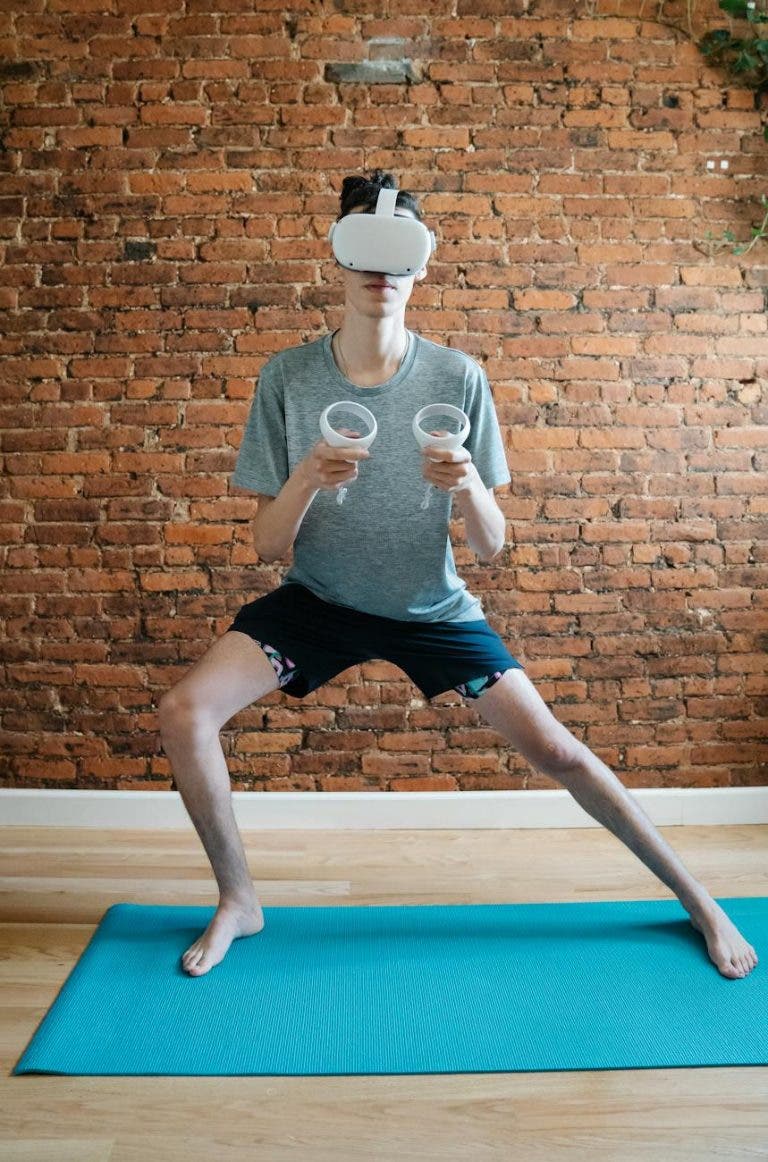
x=428, y=989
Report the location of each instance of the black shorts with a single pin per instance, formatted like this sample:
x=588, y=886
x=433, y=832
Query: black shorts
x=309, y=641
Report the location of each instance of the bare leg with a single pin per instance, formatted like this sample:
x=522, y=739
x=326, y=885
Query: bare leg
x=201, y=774
x=604, y=797
x=232, y=674
x=514, y=707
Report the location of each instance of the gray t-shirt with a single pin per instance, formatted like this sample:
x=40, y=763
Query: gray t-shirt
x=378, y=551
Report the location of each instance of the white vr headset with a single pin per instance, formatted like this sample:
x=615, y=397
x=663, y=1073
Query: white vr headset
x=384, y=242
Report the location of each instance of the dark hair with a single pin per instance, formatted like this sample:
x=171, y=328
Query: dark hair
x=362, y=191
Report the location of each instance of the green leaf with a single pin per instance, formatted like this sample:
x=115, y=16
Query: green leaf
x=745, y=62
x=715, y=39
x=736, y=8
x=741, y=10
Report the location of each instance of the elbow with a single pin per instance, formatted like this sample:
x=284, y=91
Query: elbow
x=261, y=552
x=268, y=557
x=492, y=556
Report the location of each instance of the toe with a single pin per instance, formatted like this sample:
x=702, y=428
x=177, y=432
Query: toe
x=193, y=957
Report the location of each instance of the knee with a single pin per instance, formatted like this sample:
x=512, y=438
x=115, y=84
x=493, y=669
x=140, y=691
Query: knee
x=561, y=759
x=180, y=715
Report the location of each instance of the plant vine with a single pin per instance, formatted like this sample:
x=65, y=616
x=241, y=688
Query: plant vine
x=745, y=58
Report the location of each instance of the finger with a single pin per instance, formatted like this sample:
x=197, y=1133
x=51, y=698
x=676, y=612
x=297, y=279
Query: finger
x=444, y=475
x=336, y=453
x=346, y=453
x=340, y=472
x=449, y=454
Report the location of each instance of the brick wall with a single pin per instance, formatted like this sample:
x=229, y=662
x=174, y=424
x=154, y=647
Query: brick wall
x=168, y=174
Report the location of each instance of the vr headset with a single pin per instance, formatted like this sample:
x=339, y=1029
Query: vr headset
x=384, y=242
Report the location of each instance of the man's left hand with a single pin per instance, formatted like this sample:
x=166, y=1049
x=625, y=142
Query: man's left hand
x=449, y=468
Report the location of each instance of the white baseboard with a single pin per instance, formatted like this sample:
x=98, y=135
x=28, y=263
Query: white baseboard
x=375, y=810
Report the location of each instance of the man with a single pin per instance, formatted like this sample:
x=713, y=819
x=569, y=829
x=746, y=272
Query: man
x=375, y=578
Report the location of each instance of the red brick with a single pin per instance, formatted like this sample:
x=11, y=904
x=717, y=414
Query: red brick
x=626, y=371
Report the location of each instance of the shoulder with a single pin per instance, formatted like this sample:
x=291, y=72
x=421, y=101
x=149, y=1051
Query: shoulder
x=299, y=355
x=286, y=365
x=450, y=359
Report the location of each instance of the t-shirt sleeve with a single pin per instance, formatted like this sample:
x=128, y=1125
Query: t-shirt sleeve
x=484, y=442
x=262, y=462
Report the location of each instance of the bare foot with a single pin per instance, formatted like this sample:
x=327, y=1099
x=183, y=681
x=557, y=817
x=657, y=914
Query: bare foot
x=231, y=920
x=727, y=948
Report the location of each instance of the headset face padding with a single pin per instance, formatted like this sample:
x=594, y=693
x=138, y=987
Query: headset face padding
x=380, y=242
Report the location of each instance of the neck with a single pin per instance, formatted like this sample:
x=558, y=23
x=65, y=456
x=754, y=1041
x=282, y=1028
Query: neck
x=372, y=345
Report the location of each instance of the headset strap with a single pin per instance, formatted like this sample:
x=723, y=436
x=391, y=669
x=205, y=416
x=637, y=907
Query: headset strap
x=385, y=203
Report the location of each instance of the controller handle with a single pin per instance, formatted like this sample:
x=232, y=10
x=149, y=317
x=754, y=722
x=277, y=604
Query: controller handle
x=337, y=440
x=452, y=440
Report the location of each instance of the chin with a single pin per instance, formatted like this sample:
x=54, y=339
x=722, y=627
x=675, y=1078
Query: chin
x=380, y=310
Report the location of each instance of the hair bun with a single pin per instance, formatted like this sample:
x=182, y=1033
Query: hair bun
x=350, y=184
x=358, y=191
x=380, y=178
x=376, y=178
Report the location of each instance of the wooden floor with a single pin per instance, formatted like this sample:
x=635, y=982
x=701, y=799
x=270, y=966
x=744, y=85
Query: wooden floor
x=58, y=883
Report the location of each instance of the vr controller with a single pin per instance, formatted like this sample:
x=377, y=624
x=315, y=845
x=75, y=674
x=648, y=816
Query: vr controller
x=384, y=242
x=423, y=439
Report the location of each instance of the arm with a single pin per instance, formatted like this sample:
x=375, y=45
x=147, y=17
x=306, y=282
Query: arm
x=483, y=519
x=279, y=517
x=454, y=470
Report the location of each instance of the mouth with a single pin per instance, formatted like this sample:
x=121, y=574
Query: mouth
x=381, y=284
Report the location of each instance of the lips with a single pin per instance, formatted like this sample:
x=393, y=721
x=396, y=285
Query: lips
x=380, y=285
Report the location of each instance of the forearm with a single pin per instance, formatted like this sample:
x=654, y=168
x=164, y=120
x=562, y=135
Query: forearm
x=483, y=520
x=276, y=528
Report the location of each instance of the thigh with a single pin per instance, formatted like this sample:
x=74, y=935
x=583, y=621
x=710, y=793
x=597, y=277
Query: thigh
x=514, y=707
x=232, y=674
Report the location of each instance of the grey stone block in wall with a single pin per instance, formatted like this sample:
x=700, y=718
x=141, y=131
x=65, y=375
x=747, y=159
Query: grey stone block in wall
x=139, y=251
x=384, y=72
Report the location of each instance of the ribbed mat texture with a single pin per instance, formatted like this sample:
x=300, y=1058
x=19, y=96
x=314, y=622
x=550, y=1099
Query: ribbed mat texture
x=439, y=988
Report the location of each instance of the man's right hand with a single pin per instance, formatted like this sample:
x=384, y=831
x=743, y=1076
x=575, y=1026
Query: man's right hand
x=328, y=467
